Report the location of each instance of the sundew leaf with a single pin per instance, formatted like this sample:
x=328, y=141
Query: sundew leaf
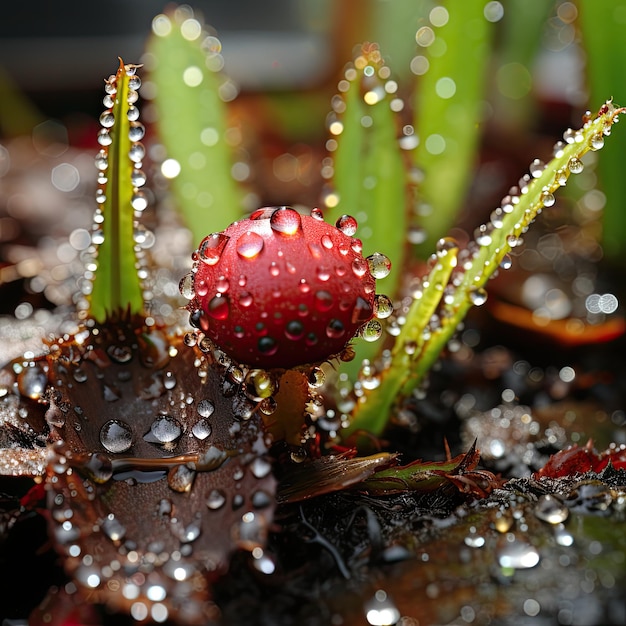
x=190, y=103
x=369, y=173
x=116, y=285
x=469, y=270
x=606, y=65
x=453, y=50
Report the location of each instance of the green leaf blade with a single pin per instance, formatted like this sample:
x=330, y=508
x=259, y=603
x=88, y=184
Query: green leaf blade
x=116, y=286
x=192, y=122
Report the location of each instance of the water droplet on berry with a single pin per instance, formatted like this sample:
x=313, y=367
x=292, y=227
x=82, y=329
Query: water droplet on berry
x=347, y=225
x=274, y=269
x=267, y=346
x=327, y=242
x=222, y=284
x=323, y=301
x=316, y=214
x=218, y=307
x=379, y=265
x=249, y=245
x=322, y=273
x=335, y=329
x=303, y=286
x=245, y=299
x=211, y=247
x=286, y=221
x=116, y=436
x=359, y=267
x=294, y=330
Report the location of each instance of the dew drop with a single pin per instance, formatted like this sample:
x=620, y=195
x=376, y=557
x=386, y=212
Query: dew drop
x=547, y=199
x=32, y=382
x=335, y=329
x=445, y=244
x=132, y=114
x=327, y=242
x=263, y=213
x=216, y=499
x=116, y=436
x=303, y=286
x=104, y=138
x=222, y=284
x=506, y=262
x=274, y=269
x=113, y=528
x=575, y=166
x=359, y=267
x=478, y=296
x=286, y=221
x=518, y=555
x=137, y=152
x=316, y=377
x=482, y=236
x=211, y=247
x=205, y=408
x=245, y=299
x=379, y=265
x=536, y=168
x=139, y=201
x=249, y=245
x=294, y=330
x=551, y=510
x=267, y=346
x=323, y=301
x=323, y=273
x=597, y=142
x=371, y=331
x=347, y=225
x=99, y=467
x=316, y=214
x=169, y=381
x=259, y=385
x=101, y=161
x=180, y=478
x=219, y=307
x=136, y=131
x=383, y=306
x=164, y=429
x=201, y=429
x=260, y=467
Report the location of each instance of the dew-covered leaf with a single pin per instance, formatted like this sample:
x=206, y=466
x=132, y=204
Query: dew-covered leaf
x=116, y=286
x=152, y=469
x=471, y=268
x=190, y=103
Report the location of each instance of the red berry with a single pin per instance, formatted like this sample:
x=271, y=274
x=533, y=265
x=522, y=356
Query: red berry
x=282, y=289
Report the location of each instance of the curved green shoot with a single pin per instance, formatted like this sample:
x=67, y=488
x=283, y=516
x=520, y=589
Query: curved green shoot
x=451, y=62
x=369, y=173
x=116, y=286
x=476, y=264
x=190, y=103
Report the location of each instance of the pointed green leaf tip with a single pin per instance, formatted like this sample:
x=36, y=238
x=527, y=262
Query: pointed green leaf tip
x=185, y=64
x=457, y=279
x=116, y=285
